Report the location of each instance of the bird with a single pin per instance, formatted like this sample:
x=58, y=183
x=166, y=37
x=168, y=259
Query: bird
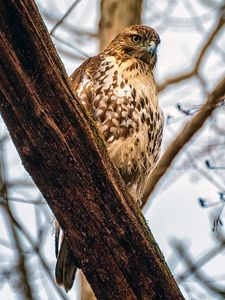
x=118, y=89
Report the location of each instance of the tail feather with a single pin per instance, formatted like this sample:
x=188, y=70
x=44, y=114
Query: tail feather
x=57, y=234
x=66, y=266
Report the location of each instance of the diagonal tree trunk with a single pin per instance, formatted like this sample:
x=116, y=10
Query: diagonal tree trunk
x=61, y=149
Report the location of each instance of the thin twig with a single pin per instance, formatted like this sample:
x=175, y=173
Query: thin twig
x=50, y=17
x=24, y=287
x=200, y=56
x=194, y=270
x=75, y=3
x=68, y=44
x=39, y=254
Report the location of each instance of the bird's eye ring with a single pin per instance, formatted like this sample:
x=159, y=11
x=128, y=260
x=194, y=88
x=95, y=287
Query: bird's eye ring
x=136, y=38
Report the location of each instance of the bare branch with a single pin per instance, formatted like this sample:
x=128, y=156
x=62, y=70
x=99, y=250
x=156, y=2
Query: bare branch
x=200, y=56
x=36, y=249
x=194, y=270
x=50, y=17
x=82, y=53
x=70, y=9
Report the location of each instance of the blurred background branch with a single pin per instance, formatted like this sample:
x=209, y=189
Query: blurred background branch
x=195, y=67
x=216, y=96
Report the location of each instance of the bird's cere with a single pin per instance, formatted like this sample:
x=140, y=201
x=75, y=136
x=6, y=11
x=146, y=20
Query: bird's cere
x=152, y=48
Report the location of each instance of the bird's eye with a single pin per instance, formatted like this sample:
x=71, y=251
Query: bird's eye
x=136, y=38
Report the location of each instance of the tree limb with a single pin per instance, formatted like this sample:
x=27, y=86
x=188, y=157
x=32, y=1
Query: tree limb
x=200, y=56
x=206, y=281
x=62, y=151
x=62, y=19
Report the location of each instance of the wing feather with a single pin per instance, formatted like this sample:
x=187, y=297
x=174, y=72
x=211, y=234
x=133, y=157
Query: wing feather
x=83, y=82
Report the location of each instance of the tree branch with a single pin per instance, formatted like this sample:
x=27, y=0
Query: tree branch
x=62, y=19
x=200, y=56
x=193, y=270
x=62, y=151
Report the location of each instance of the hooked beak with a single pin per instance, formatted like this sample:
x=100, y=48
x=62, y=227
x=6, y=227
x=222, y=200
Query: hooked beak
x=152, y=48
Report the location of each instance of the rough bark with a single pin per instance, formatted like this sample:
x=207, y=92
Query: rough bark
x=116, y=15
x=61, y=149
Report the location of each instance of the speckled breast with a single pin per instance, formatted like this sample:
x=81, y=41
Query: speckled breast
x=126, y=108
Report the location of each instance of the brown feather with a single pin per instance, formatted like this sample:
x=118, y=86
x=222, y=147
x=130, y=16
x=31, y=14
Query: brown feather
x=66, y=266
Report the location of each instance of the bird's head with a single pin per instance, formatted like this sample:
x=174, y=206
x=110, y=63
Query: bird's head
x=138, y=41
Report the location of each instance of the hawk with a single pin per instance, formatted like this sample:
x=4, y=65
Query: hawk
x=117, y=87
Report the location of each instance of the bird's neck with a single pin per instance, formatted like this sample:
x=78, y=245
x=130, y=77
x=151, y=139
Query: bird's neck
x=128, y=65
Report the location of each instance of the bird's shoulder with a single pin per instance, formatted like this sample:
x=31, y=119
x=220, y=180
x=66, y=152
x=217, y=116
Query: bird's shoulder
x=87, y=68
x=82, y=80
